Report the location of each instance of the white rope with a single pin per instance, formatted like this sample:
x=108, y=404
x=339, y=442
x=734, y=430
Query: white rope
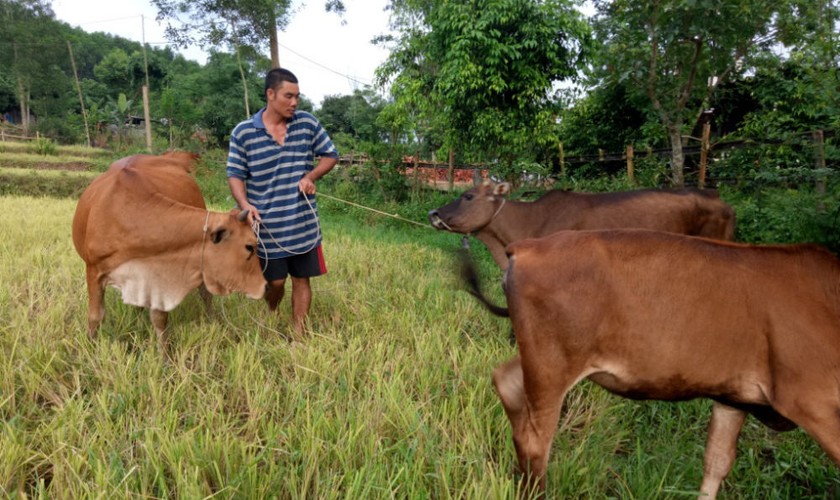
x=395, y=216
x=256, y=228
x=504, y=200
x=203, y=240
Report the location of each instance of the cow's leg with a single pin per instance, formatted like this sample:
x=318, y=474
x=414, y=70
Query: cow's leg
x=96, y=301
x=820, y=418
x=533, y=414
x=721, y=445
x=159, y=320
x=274, y=291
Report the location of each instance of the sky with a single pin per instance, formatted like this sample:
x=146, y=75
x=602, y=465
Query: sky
x=328, y=57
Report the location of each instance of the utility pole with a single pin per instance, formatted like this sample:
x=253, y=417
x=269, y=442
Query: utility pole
x=79, y=89
x=146, y=114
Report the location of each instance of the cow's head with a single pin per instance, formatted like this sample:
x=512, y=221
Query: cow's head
x=473, y=210
x=230, y=257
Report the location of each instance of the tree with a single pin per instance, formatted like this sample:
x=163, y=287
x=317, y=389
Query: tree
x=28, y=38
x=220, y=22
x=234, y=23
x=484, y=70
x=115, y=71
x=677, y=52
x=351, y=119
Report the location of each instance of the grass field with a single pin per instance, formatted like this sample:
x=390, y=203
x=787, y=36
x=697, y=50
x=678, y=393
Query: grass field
x=388, y=397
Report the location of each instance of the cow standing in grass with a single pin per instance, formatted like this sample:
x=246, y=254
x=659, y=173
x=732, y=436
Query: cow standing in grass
x=652, y=315
x=143, y=227
x=485, y=212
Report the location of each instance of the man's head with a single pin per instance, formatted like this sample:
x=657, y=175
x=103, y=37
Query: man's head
x=282, y=93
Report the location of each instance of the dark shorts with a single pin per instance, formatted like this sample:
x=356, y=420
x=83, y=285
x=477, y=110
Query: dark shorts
x=307, y=265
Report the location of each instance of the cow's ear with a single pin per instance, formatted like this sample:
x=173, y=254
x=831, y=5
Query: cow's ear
x=218, y=235
x=501, y=189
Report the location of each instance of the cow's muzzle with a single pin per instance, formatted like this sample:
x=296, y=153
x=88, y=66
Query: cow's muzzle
x=437, y=222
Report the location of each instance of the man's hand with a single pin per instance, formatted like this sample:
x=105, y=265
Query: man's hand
x=253, y=214
x=306, y=185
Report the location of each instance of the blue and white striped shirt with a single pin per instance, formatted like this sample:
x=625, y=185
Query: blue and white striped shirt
x=271, y=173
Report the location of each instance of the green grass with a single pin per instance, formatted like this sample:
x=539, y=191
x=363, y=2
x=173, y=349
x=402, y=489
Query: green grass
x=52, y=183
x=31, y=147
x=389, y=395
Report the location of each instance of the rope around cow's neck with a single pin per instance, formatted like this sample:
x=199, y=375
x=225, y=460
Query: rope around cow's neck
x=492, y=217
x=203, y=240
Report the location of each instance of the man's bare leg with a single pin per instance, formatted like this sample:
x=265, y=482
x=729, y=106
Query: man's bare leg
x=301, y=300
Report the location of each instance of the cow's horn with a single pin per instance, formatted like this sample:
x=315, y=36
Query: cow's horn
x=243, y=216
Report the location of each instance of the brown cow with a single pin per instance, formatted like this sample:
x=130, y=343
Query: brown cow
x=485, y=212
x=653, y=315
x=143, y=227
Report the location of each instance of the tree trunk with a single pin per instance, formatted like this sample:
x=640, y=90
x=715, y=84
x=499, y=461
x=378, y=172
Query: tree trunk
x=677, y=158
x=274, y=43
x=245, y=80
x=23, y=96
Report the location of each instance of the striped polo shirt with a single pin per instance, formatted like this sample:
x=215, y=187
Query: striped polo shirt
x=271, y=173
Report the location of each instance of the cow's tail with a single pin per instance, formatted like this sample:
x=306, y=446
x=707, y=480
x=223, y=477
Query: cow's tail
x=469, y=275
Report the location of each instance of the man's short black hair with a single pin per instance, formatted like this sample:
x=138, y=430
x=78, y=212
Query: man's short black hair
x=277, y=76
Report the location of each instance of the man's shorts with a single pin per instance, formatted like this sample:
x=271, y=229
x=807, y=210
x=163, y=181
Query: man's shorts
x=306, y=265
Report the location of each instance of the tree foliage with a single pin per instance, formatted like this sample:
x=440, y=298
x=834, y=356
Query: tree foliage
x=26, y=33
x=678, y=51
x=484, y=70
x=352, y=119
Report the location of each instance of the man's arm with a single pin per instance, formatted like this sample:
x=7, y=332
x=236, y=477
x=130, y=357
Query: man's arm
x=237, y=190
x=307, y=182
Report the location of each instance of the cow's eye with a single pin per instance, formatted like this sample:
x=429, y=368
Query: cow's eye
x=250, y=249
x=468, y=196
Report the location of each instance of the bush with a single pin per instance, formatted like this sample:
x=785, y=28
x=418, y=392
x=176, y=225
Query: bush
x=784, y=215
x=43, y=147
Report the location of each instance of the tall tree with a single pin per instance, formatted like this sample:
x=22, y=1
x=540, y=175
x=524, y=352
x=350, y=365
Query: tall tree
x=212, y=23
x=677, y=52
x=28, y=41
x=351, y=119
x=234, y=23
x=485, y=69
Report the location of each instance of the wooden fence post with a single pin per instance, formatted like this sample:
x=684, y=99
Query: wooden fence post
x=631, y=171
x=451, y=168
x=416, y=170
x=704, y=153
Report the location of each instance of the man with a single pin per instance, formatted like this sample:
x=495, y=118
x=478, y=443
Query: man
x=271, y=175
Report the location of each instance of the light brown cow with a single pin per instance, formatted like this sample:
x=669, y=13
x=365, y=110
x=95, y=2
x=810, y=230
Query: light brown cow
x=143, y=228
x=652, y=315
x=485, y=212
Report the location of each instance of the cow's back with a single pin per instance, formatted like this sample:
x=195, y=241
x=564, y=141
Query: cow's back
x=119, y=200
x=691, y=212
x=170, y=174
x=667, y=303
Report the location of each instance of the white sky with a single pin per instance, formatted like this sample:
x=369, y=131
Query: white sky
x=327, y=57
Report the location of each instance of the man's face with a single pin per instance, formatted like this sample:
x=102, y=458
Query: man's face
x=284, y=99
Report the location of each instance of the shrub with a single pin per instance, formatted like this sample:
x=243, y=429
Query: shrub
x=43, y=147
